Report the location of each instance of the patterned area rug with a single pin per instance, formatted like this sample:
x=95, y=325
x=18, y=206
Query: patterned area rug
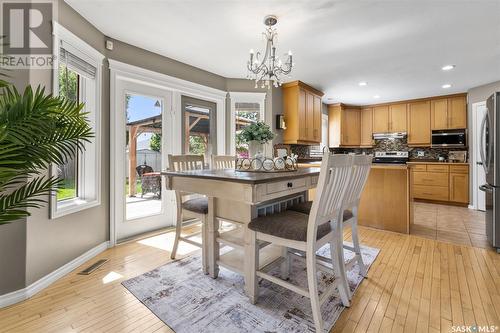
x=188, y=301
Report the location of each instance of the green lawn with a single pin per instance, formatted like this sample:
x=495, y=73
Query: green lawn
x=67, y=190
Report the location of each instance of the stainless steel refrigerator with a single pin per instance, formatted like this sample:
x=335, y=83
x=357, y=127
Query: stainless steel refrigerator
x=490, y=156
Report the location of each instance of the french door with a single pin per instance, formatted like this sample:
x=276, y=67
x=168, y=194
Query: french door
x=141, y=141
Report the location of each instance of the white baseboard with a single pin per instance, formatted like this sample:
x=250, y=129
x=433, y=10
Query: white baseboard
x=47, y=280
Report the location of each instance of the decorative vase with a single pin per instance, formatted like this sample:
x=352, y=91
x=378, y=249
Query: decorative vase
x=255, y=149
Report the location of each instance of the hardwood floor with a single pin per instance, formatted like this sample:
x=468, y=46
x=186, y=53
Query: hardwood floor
x=415, y=285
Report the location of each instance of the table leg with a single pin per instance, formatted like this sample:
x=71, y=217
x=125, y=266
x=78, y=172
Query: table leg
x=251, y=264
x=213, y=245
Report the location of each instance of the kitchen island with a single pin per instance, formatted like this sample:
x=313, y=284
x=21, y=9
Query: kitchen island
x=385, y=203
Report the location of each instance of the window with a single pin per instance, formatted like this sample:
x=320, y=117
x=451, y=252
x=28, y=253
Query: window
x=199, y=127
x=77, y=76
x=246, y=108
x=245, y=114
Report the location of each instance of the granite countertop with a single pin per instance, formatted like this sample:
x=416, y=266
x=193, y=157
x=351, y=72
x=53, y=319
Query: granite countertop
x=435, y=162
x=374, y=165
x=244, y=177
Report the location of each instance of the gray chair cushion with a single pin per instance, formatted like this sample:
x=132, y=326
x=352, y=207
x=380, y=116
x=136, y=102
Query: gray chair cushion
x=198, y=205
x=288, y=224
x=305, y=208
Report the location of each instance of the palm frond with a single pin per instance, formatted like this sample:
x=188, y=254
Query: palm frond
x=14, y=205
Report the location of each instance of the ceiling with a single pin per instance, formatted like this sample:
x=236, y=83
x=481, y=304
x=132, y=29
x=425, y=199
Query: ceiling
x=397, y=47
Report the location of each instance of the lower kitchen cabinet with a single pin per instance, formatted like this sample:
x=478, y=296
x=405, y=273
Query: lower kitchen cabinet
x=444, y=182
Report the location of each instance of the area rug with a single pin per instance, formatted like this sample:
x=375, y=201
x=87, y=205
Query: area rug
x=188, y=301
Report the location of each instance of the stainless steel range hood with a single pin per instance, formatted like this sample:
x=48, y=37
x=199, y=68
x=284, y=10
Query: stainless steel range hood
x=393, y=135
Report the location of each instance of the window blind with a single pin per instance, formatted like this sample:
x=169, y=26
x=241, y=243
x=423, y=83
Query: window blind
x=76, y=64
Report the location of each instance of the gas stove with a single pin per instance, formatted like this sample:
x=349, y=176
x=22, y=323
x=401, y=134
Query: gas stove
x=392, y=157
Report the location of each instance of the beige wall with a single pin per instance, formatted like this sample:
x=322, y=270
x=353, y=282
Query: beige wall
x=52, y=243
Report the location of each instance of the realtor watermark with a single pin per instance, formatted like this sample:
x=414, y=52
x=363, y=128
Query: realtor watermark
x=27, y=34
x=474, y=329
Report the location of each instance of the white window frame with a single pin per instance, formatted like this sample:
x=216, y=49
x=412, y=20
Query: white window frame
x=89, y=162
x=244, y=97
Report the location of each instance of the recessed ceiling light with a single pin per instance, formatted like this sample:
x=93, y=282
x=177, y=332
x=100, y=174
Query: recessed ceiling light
x=363, y=83
x=448, y=67
x=376, y=96
x=446, y=86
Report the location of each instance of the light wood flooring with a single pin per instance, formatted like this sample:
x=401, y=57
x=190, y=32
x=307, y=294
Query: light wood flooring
x=415, y=285
x=458, y=225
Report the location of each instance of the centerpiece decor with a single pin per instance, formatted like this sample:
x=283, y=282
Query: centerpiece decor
x=256, y=136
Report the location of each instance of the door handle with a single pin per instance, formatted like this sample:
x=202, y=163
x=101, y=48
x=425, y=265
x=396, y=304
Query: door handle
x=479, y=163
x=486, y=188
x=481, y=143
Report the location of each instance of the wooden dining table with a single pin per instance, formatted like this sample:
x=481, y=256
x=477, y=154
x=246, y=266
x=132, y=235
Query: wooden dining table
x=238, y=197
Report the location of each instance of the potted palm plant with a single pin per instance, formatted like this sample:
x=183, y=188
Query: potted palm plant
x=256, y=135
x=36, y=129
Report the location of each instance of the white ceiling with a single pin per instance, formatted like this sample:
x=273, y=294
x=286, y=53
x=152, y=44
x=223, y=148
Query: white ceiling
x=398, y=47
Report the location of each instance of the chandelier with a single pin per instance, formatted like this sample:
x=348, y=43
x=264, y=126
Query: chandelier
x=268, y=67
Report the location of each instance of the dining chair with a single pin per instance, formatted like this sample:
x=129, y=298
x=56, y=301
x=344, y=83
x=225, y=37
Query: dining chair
x=223, y=162
x=308, y=233
x=194, y=208
x=361, y=170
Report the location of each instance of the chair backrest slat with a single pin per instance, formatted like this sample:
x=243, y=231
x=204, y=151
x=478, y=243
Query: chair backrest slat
x=186, y=162
x=332, y=186
x=361, y=169
x=223, y=162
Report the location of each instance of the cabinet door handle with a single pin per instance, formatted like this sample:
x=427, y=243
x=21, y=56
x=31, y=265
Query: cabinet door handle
x=289, y=184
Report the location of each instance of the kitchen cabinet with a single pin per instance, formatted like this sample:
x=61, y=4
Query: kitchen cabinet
x=449, y=113
x=302, y=112
x=446, y=182
x=397, y=117
x=381, y=119
x=344, y=125
x=389, y=118
x=459, y=184
x=366, y=127
x=419, y=124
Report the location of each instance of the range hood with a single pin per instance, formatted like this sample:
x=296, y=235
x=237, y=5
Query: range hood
x=393, y=135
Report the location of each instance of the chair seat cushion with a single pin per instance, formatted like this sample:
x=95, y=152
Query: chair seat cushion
x=305, y=208
x=288, y=225
x=198, y=205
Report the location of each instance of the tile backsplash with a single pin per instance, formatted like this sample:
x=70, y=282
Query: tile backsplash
x=385, y=145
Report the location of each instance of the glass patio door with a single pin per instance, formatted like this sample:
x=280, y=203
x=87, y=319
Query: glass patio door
x=143, y=139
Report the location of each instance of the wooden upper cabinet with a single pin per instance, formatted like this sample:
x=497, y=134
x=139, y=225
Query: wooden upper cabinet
x=351, y=127
x=309, y=116
x=457, y=112
x=419, y=123
x=344, y=126
x=317, y=119
x=302, y=111
x=449, y=113
x=439, y=114
x=367, y=127
x=381, y=119
x=397, y=117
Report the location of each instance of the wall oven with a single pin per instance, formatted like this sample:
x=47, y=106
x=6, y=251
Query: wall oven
x=449, y=139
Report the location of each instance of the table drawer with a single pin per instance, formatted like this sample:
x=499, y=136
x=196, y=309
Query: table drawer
x=430, y=179
x=437, y=168
x=430, y=192
x=285, y=185
x=419, y=167
x=459, y=169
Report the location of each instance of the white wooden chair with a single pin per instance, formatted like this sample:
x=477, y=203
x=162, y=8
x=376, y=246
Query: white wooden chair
x=308, y=233
x=223, y=162
x=361, y=170
x=196, y=208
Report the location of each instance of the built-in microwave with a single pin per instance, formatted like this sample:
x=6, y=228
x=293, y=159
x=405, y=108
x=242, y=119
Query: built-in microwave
x=449, y=138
